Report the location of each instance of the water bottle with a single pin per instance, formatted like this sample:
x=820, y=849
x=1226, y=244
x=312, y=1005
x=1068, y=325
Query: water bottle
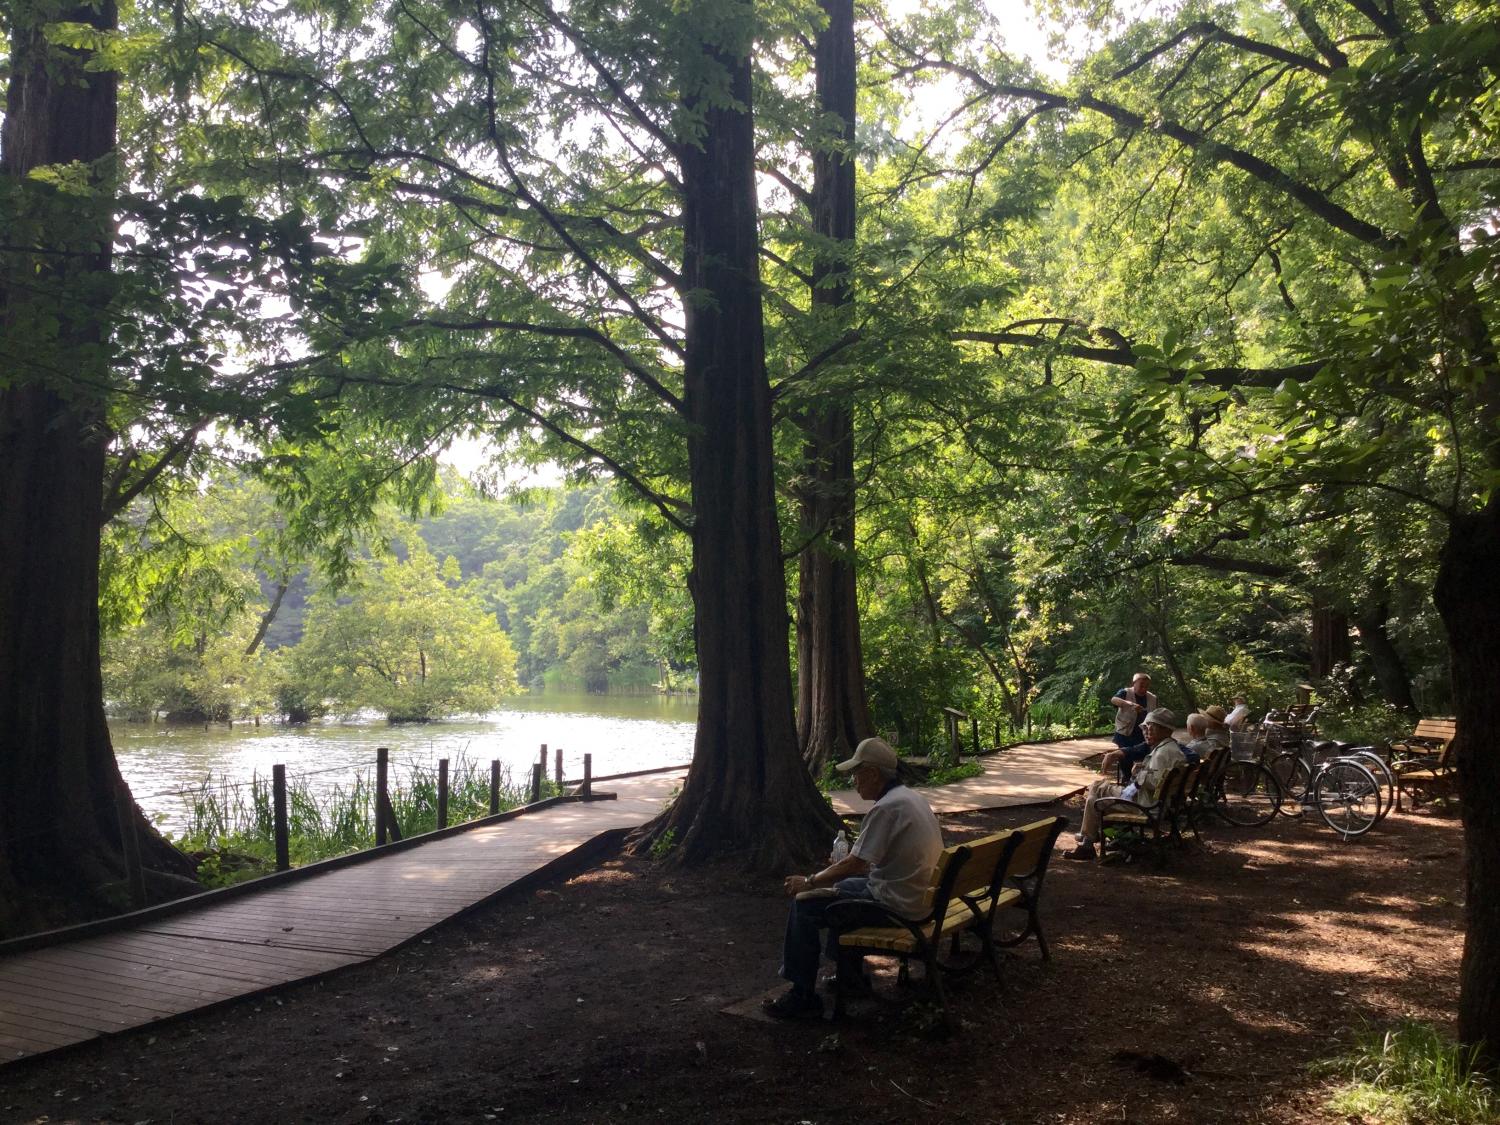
x=840, y=847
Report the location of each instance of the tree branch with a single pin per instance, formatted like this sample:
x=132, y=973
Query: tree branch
x=1212, y=32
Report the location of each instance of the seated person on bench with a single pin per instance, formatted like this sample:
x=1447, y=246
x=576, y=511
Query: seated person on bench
x=1204, y=736
x=891, y=864
x=1218, y=724
x=1165, y=753
x=1236, y=719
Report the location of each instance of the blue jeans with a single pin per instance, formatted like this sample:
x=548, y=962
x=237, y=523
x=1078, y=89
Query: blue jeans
x=799, y=951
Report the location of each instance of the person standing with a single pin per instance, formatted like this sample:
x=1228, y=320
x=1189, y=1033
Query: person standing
x=1131, y=705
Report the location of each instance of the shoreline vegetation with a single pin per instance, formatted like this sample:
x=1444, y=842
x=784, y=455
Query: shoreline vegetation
x=230, y=829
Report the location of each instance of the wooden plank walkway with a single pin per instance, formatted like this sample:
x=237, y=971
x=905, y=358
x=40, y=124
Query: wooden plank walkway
x=65, y=994
x=161, y=967
x=1033, y=774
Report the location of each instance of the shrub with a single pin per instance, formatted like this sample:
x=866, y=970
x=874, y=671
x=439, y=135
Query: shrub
x=1408, y=1075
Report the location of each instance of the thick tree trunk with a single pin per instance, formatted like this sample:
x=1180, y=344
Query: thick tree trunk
x=1330, y=641
x=61, y=855
x=1390, y=671
x=747, y=790
x=1468, y=598
x=833, y=712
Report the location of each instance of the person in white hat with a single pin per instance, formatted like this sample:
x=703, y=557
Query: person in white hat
x=890, y=865
x=1164, y=754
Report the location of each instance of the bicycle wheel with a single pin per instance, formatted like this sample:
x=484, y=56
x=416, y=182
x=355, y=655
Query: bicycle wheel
x=1381, y=771
x=1248, y=794
x=1348, y=797
x=1291, y=774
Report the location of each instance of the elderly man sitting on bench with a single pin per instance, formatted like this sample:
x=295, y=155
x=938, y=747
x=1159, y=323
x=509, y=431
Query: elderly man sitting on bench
x=1164, y=754
x=891, y=864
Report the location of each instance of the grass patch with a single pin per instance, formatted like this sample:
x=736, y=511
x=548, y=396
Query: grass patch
x=947, y=775
x=231, y=824
x=1411, y=1074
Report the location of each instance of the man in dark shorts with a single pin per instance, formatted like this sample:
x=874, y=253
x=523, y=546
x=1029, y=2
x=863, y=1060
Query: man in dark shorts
x=1131, y=705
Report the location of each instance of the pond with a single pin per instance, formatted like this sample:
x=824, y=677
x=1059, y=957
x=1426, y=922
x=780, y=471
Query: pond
x=622, y=732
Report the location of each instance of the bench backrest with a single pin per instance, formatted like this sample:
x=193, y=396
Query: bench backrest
x=982, y=867
x=1213, y=769
x=949, y=863
x=985, y=865
x=1190, y=782
x=1034, y=849
x=1169, y=793
x=1437, y=729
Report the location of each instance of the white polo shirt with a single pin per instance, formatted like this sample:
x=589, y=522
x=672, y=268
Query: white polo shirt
x=901, y=841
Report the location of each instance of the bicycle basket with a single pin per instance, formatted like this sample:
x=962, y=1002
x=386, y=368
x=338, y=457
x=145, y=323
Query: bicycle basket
x=1245, y=747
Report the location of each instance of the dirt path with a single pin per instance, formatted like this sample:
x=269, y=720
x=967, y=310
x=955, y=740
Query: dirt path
x=601, y=1000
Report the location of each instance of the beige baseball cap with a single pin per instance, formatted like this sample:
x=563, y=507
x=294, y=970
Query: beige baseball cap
x=870, y=752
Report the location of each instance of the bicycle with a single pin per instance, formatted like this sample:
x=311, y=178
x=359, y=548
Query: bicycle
x=1245, y=793
x=1298, y=768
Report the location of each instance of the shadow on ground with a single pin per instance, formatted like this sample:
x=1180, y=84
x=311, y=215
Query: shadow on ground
x=1238, y=963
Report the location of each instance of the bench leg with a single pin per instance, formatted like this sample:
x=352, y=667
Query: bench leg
x=1041, y=938
x=935, y=978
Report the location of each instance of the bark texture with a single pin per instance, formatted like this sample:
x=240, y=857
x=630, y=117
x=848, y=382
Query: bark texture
x=747, y=790
x=1391, y=674
x=833, y=712
x=61, y=853
x=1330, y=641
x=1468, y=598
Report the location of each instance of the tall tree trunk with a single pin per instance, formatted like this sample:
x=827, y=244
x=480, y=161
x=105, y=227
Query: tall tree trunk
x=1385, y=660
x=1468, y=598
x=61, y=855
x=747, y=790
x=833, y=713
x=1330, y=640
x=1160, y=626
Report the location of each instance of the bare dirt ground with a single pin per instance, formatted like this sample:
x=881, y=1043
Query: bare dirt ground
x=601, y=1000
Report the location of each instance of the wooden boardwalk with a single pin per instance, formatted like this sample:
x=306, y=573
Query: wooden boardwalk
x=164, y=966
x=1032, y=774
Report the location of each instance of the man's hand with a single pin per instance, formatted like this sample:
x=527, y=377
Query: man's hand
x=796, y=884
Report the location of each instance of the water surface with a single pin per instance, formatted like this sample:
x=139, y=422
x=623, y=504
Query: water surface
x=622, y=732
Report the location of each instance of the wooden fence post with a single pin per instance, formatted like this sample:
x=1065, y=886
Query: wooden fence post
x=494, y=786
x=442, y=793
x=587, y=789
x=557, y=774
x=382, y=767
x=974, y=730
x=278, y=811
x=536, y=783
x=130, y=847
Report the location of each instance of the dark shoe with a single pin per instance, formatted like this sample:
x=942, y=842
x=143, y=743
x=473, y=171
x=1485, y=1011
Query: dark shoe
x=795, y=1005
x=1082, y=851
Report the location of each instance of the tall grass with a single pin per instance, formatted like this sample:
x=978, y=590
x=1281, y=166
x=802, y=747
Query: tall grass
x=1411, y=1074
x=233, y=822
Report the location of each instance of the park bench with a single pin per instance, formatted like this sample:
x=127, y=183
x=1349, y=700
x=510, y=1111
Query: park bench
x=1138, y=827
x=1424, y=759
x=973, y=885
x=1430, y=738
x=1200, y=792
